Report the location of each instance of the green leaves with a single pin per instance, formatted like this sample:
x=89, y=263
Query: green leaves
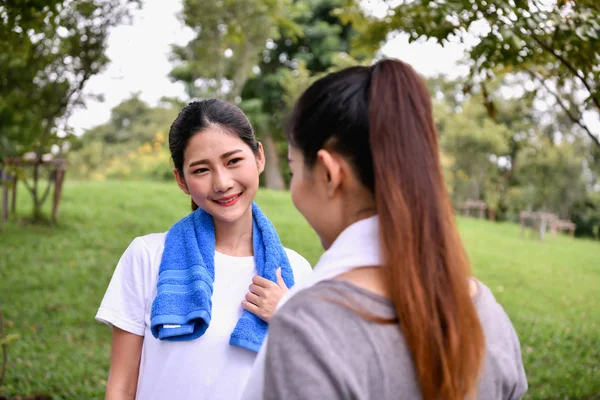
x=230, y=36
x=559, y=39
x=48, y=51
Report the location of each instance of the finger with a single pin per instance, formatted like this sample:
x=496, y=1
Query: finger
x=257, y=290
x=252, y=298
x=251, y=308
x=280, y=281
x=260, y=281
x=256, y=311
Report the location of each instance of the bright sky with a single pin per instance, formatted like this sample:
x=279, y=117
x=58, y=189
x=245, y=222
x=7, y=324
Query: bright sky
x=140, y=62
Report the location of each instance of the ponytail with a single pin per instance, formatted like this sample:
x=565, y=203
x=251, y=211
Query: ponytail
x=425, y=263
x=386, y=108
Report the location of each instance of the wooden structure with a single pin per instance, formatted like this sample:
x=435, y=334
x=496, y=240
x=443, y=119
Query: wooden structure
x=559, y=225
x=540, y=222
x=9, y=180
x=476, y=205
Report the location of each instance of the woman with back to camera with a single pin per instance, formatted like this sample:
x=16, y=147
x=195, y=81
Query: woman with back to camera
x=391, y=310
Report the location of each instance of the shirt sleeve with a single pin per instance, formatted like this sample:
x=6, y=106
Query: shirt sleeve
x=123, y=305
x=299, y=362
x=520, y=387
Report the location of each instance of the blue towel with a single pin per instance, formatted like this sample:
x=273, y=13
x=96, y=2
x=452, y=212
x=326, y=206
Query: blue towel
x=182, y=307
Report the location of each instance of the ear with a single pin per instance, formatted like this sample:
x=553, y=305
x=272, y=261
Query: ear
x=333, y=170
x=260, y=158
x=181, y=181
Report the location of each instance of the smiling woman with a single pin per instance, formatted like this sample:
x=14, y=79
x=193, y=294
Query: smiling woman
x=219, y=172
x=205, y=289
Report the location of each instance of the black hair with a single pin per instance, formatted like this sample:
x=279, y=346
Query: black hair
x=333, y=113
x=199, y=115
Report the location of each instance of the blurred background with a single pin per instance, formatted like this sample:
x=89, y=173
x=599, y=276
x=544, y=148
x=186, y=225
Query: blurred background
x=89, y=88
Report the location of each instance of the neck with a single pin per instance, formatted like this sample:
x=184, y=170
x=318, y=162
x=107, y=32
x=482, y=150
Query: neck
x=235, y=238
x=361, y=207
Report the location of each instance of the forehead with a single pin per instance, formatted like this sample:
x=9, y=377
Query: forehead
x=212, y=143
x=294, y=154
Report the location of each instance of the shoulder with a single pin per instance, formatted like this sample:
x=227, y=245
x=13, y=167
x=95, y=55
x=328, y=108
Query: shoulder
x=300, y=266
x=143, y=252
x=491, y=313
x=504, y=363
x=151, y=241
x=150, y=245
x=331, y=305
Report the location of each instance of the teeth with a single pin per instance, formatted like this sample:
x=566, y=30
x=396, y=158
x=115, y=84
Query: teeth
x=228, y=200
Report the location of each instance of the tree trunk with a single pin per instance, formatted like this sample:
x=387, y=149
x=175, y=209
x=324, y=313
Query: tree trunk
x=241, y=72
x=273, y=178
x=37, y=204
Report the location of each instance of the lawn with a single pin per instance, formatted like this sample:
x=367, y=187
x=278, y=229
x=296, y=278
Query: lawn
x=52, y=281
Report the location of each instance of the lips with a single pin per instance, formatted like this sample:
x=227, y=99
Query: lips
x=228, y=201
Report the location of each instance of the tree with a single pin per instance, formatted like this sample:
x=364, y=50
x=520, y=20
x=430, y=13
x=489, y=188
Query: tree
x=556, y=43
x=218, y=61
x=229, y=37
x=289, y=64
x=553, y=175
x=475, y=144
x=50, y=49
x=131, y=144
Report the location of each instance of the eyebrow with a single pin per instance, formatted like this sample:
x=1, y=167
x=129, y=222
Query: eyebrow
x=206, y=161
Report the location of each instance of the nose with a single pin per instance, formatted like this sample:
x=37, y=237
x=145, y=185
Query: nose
x=222, y=181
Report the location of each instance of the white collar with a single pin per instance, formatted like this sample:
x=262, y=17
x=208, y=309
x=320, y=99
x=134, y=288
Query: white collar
x=357, y=246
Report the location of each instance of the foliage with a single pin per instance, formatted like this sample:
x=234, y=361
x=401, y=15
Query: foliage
x=50, y=49
x=557, y=43
x=476, y=143
x=556, y=173
x=131, y=145
x=52, y=281
x=287, y=60
x=229, y=37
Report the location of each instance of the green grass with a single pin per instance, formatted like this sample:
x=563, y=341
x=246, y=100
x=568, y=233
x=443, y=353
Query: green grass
x=52, y=281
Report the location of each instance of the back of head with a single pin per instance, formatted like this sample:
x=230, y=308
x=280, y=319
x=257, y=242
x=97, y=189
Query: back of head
x=380, y=119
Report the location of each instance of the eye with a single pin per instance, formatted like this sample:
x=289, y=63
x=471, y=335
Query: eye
x=234, y=161
x=200, y=170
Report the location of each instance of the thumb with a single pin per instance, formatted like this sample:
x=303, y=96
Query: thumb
x=280, y=281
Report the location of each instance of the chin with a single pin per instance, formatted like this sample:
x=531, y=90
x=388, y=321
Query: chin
x=229, y=215
x=325, y=243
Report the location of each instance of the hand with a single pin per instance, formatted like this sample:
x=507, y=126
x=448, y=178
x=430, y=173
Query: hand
x=264, y=295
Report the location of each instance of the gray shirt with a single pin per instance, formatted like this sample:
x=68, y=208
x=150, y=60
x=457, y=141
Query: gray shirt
x=319, y=349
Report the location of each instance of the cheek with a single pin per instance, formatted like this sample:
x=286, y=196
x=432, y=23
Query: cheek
x=251, y=176
x=301, y=198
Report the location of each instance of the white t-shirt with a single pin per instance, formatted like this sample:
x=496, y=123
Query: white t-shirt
x=204, y=368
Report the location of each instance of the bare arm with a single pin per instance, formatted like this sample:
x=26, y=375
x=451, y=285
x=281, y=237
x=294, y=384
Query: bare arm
x=124, y=365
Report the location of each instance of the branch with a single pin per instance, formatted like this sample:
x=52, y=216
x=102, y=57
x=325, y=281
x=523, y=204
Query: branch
x=572, y=117
x=47, y=190
x=28, y=186
x=488, y=103
x=569, y=66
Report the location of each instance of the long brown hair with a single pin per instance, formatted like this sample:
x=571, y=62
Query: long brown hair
x=387, y=109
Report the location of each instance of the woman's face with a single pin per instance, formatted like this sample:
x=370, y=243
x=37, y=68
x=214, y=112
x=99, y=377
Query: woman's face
x=310, y=198
x=221, y=173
